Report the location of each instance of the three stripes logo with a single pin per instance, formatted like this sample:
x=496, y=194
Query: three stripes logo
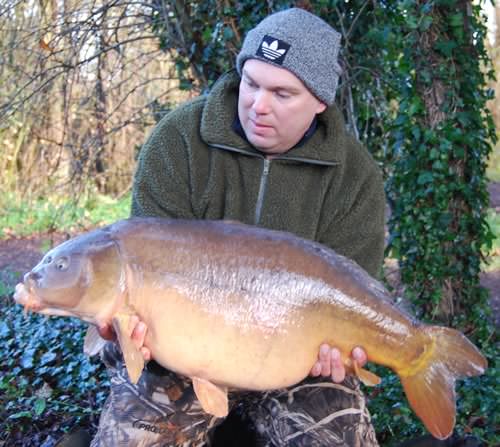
x=273, y=49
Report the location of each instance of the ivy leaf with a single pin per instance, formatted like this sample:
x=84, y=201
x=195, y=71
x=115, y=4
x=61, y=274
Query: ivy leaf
x=27, y=359
x=426, y=23
x=416, y=133
x=39, y=406
x=4, y=329
x=425, y=177
x=227, y=33
x=457, y=20
x=21, y=414
x=47, y=358
x=434, y=153
x=446, y=47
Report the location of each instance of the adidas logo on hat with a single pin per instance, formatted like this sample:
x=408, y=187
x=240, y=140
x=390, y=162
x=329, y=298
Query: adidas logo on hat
x=273, y=49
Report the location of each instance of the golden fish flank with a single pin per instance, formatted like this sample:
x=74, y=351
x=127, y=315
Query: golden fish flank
x=219, y=298
x=258, y=301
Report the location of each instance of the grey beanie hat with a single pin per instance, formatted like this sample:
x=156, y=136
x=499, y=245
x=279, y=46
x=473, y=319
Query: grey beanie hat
x=300, y=42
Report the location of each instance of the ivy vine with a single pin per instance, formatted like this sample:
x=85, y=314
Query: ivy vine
x=441, y=139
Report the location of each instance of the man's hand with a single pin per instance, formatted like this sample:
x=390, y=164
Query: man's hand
x=137, y=332
x=330, y=362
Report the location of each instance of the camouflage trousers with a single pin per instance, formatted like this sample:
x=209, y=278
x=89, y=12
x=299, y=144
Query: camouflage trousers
x=162, y=410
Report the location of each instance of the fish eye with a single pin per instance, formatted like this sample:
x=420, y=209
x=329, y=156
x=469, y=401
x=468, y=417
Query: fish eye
x=62, y=263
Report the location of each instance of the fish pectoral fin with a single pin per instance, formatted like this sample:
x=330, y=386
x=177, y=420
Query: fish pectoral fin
x=213, y=398
x=366, y=377
x=93, y=342
x=131, y=353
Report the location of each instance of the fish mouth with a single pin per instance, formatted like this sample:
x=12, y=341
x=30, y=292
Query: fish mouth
x=23, y=295
x=26, y=297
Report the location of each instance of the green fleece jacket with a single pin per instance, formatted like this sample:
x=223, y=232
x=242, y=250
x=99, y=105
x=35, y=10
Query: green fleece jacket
x=328, y=189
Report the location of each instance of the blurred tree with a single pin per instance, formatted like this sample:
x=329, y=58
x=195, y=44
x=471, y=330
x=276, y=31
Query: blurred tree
x=72, y=74
x=442, y=139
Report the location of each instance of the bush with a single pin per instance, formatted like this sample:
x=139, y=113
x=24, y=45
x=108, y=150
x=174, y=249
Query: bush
x=47, y=385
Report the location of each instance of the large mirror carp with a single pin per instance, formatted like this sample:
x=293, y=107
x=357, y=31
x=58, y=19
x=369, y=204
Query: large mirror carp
x=239, y=307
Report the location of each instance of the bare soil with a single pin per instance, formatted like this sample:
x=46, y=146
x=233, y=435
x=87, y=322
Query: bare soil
x=19, y=254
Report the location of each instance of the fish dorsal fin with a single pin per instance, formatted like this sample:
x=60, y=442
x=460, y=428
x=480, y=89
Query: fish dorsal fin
x=213, y=398
x=131, y=354
x=93, y=342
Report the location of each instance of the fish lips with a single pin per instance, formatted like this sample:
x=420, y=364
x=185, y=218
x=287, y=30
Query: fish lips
x=24, y=296
x=32, y=302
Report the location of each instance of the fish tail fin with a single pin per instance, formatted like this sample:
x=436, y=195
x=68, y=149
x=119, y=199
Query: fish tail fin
x=429, y=382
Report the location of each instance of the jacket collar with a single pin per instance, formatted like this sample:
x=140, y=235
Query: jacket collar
x=217, y=127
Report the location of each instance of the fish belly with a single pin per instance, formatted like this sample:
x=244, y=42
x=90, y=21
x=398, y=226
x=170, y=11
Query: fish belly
x=187, y=339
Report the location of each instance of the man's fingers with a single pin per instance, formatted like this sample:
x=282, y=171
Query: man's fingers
x=136, y=330
x=316, y=369
x=359, y=355
x=139, y=334
x=337, y=366
x=146, y=354
x=330, y=362
x=324, y=358
x=106, y=332
x=138, y=337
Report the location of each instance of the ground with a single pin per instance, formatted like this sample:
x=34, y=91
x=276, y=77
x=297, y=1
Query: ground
x=18, y=255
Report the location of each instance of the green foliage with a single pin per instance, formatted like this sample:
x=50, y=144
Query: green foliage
x=441, y=140
x=47, y=384
x=59, y=213
x=477, y=405
x=205, y=37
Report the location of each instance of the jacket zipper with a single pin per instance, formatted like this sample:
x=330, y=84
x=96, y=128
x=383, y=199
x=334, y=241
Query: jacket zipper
x=262, y=189
x=265, y=171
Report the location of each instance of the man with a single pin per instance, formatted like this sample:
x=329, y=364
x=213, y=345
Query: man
x=265, y=147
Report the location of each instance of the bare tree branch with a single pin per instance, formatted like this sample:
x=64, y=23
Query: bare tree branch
x=86, y=74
